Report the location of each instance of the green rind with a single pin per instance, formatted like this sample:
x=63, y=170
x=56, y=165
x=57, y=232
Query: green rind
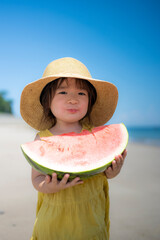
x=48, y=171
x=82, y=175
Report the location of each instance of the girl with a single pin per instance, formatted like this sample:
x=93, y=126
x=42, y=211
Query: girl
x=67, y=99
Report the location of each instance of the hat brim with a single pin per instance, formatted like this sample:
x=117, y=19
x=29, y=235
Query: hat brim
x=32, y=110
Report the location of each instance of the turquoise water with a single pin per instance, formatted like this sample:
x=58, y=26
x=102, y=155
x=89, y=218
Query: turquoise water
x=146, y=135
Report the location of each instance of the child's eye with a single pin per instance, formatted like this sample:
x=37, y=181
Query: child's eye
x=63, y=92
x=81, y=93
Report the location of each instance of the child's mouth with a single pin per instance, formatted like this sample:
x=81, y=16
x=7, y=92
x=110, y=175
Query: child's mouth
x=72, y=110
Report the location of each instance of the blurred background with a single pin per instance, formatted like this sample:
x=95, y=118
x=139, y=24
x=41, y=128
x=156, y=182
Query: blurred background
x=118, y=41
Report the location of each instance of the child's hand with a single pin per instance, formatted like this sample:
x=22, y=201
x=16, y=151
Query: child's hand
x=116, y=166
x=53, y=185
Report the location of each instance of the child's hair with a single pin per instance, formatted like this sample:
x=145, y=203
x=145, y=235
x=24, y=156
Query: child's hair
x=49, y=90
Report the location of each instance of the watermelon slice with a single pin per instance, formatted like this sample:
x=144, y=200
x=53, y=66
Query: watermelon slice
x=84, y=154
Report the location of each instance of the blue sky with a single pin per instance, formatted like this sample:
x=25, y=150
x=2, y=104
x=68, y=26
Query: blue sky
x=119, y=41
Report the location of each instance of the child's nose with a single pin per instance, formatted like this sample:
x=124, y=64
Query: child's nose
x=72, y=99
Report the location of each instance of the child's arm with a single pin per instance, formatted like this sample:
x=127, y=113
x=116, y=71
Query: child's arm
x=47, y=184
x=116, y=166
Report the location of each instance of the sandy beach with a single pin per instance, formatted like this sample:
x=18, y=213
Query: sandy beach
x=134, y=194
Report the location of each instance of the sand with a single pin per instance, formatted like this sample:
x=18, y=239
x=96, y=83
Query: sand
x=134, y=194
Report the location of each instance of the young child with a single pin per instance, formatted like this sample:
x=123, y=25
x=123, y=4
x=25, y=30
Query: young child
x=67, y=99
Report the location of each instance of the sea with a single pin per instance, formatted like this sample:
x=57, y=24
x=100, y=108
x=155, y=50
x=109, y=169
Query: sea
x=145, y=135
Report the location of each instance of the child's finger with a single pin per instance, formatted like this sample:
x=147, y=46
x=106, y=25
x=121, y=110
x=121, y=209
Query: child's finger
x=115, y=164
x=109, y=169
x=75, y=181
x=64, y=180
x=124, y=154
x=54, y=178
x=47, y=179
x=119, y=160
x=108, y=172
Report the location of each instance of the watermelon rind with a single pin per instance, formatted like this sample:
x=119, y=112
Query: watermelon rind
x=60, y=175
x=82, y=174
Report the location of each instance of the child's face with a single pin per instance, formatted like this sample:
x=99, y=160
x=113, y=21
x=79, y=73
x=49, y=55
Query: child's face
x=70, y=103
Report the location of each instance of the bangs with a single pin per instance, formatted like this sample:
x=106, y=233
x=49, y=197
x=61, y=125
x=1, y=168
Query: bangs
x=83, y=84
x=80, y=83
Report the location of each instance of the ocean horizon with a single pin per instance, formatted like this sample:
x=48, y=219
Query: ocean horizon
x=149, y=135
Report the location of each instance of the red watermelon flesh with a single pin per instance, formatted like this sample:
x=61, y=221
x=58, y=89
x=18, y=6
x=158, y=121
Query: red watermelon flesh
x=83, y=154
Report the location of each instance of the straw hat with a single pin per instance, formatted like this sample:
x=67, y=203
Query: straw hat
x=32, y=110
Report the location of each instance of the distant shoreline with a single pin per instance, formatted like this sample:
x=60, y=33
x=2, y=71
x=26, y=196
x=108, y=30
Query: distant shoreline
x=9, y=118
x=140, y=134
x=144, y=135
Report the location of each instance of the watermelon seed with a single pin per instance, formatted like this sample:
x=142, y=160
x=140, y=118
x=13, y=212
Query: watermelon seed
x=42, y=151
x=60, y=149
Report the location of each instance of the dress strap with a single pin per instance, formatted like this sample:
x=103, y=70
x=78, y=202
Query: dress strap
x=86, y=126
x=45, y=133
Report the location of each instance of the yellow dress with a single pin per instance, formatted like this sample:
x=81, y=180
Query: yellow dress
x=76, y=213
